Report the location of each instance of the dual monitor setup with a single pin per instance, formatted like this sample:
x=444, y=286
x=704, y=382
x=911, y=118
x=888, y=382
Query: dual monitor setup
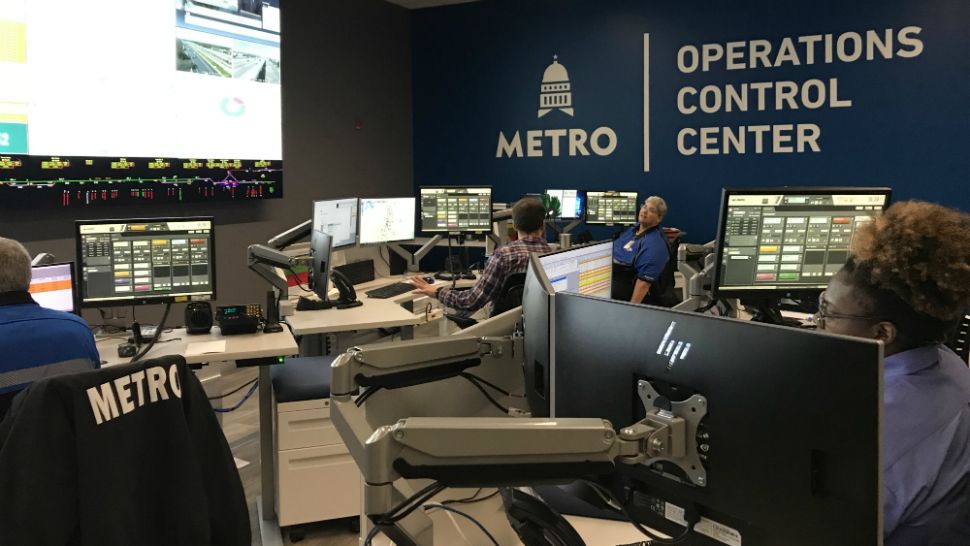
x=602, y=207
x=368, y=221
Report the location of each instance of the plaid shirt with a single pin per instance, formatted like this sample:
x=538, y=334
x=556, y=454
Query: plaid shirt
x=509, y=259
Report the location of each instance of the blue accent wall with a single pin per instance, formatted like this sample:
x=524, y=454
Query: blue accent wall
x=477, y=70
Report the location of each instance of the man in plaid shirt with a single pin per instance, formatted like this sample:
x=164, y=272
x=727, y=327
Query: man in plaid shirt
x=528, y=216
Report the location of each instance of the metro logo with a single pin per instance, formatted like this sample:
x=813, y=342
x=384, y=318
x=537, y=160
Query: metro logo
x=555, y=93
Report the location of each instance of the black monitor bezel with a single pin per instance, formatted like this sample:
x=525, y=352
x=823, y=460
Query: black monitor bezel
x=420, y=204
x=360, y=215
x=724, y=360
x=116, y=302
x=581, y=194
x=797, y=293
x=603, y=223
x=74, y=283
x=319, y=278
x=313, y=218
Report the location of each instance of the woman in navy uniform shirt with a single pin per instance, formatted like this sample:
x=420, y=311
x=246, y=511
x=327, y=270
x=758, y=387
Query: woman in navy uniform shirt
x=640, y=253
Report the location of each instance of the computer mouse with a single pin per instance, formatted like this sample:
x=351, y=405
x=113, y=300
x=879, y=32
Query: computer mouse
x=428, y=279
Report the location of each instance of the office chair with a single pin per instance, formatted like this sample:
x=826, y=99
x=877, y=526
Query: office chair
x=663, y=293
x=129, y=454
x=666, y=294
x=509, y=296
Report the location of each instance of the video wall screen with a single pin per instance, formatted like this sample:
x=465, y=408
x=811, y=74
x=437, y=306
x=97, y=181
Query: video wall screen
x=154, y=100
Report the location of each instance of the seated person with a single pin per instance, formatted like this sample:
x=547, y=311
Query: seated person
x=35, y=342
x=528, y=218
x=640, y=253
x=906, y=282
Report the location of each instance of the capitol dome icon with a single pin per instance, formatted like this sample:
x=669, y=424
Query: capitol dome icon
x=555, y=93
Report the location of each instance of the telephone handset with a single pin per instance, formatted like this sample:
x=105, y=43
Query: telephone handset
x=348, y=296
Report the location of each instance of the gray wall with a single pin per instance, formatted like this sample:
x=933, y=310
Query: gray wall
x=342, y=61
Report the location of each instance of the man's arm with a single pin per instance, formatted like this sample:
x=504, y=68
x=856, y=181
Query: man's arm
x=485, y=290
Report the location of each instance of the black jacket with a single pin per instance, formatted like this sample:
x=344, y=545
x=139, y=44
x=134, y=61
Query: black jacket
x=124, y=455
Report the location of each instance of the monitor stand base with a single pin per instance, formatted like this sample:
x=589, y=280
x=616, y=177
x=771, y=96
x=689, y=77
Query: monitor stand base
x=306, y=304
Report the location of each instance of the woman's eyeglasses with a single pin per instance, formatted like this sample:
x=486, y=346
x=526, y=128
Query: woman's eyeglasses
x=824, y=313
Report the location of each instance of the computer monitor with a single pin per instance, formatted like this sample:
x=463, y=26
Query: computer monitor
x=586, y=269
x=789, y=446
x=572, y=203
x=320, y=246
x=788, y=242
x=583, y=269
x=456, y=209
x=338, y=218
x=538, y=308
x=52, y=286
x=611, y=207
x=386, y=220
x=145, y=260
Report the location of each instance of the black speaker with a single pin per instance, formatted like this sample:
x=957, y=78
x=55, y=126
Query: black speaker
x=198, y=317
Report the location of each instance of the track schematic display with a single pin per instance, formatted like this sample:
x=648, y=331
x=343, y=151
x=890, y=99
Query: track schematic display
x=78, y=181
x=789, y=240
x=185, y=105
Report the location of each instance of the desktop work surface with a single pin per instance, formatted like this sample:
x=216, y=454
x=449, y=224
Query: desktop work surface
x=374, y=313
x=236, y=347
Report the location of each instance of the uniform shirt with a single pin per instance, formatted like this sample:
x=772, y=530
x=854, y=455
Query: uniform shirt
x=37, y=342
x=506, y=260
x=647, y=254
x=926, y=442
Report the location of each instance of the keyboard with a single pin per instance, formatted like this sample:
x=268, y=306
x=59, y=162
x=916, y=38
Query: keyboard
x=390, y=290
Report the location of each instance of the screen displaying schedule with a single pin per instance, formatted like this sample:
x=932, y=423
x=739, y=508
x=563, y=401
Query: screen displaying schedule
x=789, y=240
x=611, y=207
x=129, y=261
x=456, y=209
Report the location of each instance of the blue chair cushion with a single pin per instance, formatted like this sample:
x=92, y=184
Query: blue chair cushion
x=302, y=378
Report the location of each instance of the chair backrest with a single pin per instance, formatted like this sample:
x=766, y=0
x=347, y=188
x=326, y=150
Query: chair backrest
x=511, y=294
x=152, y=421
x=664, y=293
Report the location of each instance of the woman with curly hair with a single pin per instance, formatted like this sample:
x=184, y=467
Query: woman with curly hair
x=906, y=284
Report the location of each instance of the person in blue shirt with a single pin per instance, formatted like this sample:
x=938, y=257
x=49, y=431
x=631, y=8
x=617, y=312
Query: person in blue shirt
x=640, y=253
x=906, y=283
x=35, y=342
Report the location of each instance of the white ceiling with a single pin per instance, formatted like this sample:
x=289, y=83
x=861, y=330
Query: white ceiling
x=418, y=4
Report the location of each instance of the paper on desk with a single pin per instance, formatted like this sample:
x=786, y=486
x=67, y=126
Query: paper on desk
x=205, y=347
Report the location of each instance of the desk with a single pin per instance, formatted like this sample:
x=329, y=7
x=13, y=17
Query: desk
x=374, y=313
x=238, y=347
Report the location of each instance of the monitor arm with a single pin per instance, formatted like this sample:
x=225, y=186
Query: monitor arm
x=264, y=261
x=43, y=258
x=487, y=451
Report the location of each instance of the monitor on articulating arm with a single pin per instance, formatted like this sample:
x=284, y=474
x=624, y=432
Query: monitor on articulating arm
x=782, y=425
x=583, y=269
x=787, y=242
